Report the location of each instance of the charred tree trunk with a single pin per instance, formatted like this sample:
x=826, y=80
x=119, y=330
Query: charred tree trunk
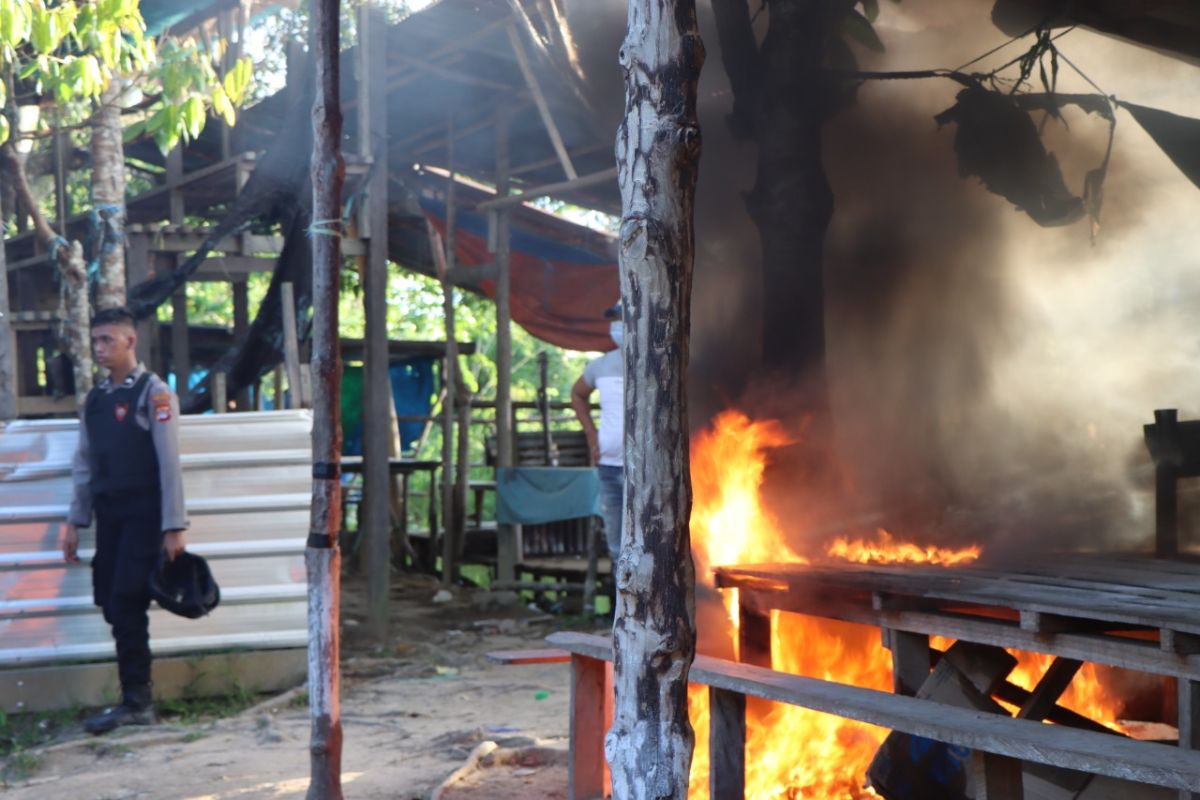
x=791, y=202
x=649, y=748
x=73, y=308
x=8, y=364
x=322, y=557
x=108, y=196
x=779, y=101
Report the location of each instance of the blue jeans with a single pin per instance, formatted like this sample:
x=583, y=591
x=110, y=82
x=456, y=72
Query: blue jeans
x=612, y=505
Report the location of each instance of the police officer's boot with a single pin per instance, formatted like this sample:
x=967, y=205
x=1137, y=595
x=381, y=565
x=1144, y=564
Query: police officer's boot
x=136, y=708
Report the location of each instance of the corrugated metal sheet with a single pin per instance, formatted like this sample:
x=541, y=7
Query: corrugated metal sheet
x=247, y=481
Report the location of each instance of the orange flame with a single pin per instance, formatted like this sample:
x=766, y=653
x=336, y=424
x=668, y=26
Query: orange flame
x=886, y=550
x=794, y=753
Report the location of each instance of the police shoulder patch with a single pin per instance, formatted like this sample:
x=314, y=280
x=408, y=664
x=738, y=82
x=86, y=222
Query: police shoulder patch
x=162, y=413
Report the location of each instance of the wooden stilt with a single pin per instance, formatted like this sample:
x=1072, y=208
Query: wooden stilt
x=726, y=745
x=590, y=690
x=508, y=536
x=291, y=347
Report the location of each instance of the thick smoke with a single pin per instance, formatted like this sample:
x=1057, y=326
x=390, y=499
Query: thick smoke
x=989, y=377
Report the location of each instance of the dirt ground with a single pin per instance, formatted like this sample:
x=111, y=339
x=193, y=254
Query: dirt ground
x=412, y=714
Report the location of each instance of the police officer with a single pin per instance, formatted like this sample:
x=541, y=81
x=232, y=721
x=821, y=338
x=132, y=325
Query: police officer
x=127, y=471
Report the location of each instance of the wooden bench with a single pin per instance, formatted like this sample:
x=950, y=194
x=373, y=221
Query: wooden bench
x=999, y=743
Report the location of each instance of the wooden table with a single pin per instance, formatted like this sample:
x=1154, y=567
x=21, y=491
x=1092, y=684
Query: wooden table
x=406, y=468
x=1122, y=609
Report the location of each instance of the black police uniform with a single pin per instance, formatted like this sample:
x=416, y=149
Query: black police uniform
x=127, y=471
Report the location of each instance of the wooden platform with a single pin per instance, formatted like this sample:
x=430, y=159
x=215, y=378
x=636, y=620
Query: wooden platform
x=1126, y=610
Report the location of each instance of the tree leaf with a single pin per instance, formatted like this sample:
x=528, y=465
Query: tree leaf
x=871, y=9
x=3, y=129
x=859, y=28
x=193, y=116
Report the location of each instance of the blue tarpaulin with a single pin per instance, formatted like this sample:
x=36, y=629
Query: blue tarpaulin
x=536, y=495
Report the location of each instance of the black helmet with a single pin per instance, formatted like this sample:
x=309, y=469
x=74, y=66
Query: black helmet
x=184, y=586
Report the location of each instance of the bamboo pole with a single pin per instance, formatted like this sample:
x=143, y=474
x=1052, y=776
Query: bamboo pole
x=658, y=148
x=445, y=263
x=8, y=361
x=508, y=537
x=377, y=387
x=322, y=558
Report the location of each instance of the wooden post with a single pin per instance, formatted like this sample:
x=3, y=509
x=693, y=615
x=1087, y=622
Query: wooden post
x=174, y=177
x=220, y=400
x=726, y=745
x=291, y=344
x=181, y=358
x=377, y=387
x=589, y=696
x=241, y=324
x=322, y=558
x=910, y=661
x=1166, y=499
x=507, y=536
x=137, y=270
x=754, y=636
x=444, y=259
x=658, y=149
x=8, y=361
x=996, y=777
x=1189, y=723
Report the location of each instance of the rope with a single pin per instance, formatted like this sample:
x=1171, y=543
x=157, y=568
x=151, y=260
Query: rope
x=325, y=227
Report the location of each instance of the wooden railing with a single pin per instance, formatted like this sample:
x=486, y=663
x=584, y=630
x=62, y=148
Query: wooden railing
x=999, y=744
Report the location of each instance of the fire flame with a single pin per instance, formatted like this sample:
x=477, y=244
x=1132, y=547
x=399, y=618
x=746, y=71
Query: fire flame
x=886, y=550
x=795, y=753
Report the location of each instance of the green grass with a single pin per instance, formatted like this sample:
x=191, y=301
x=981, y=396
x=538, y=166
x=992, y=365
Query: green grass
x=20, y=732
x=191, y=709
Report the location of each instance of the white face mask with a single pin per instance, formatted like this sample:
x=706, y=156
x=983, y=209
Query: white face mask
x=616, y=330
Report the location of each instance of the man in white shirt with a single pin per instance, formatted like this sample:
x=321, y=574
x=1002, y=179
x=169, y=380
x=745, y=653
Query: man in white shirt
x=606, y=374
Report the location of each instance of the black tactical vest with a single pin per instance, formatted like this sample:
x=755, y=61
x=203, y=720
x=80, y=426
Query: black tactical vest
x=120, y=453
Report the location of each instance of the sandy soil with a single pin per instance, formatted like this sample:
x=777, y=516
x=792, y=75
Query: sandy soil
x=412, y=713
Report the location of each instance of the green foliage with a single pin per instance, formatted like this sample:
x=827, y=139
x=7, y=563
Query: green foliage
x=73, y=51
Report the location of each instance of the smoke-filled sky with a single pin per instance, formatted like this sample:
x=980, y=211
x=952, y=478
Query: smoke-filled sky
x=990, y=377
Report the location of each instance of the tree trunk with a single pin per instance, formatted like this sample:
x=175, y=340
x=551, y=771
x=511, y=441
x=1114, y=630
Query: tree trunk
x=649, y=748
x=8, y=364
x=322, y=557
x=74, y=309
x=791, y=202
x=108, y=196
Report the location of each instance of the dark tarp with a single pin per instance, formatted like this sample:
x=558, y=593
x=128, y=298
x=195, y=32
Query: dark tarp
x=559, y=289
x=1179, y=137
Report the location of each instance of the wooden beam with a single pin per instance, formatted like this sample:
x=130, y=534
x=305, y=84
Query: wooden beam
x=595, y=179
x=530, y=166
x=539, y=100
x=455, y=76
x=1045, y=695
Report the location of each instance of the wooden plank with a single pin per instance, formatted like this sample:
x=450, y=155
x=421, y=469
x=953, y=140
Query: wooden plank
x=1144, y=762
x=1111, y=650
x=595, y=179
x=726, y=745
x=543, y=656
x=1178, y=612
x=585, y=764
